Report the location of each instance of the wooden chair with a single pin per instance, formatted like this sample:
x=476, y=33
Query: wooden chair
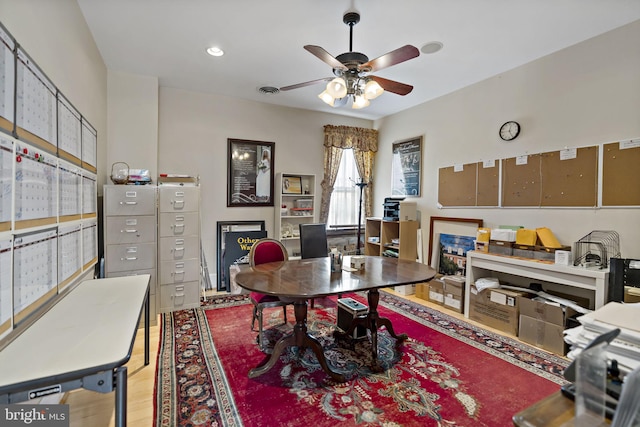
x=313, y=242
x=264, y=251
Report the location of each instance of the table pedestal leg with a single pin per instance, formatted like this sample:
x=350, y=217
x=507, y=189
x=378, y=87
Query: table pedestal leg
x=373, y=321
x=300, y=338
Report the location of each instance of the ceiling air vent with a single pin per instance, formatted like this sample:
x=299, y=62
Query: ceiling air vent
x=270, y=90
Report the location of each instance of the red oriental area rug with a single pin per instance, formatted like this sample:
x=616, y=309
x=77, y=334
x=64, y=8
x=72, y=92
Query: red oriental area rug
x=448, y=373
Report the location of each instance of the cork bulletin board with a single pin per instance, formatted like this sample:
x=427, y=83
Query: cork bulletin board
x=570, y=177
x=488, y=184
x=521, y=180
x=621, y=173
x=457, y=185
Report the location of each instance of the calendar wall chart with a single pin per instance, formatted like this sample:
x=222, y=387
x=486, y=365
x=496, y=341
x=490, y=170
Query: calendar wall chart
x=7, y=79
x=35, y=186
x=69, y=131
x=5, y=284
x=89, y=243
x=69, y=253
x=89, y=191
x=89, y=146
x=35, y=103
x=6, y=181
x=48, y=189
x=35, y=271
x=70, y=191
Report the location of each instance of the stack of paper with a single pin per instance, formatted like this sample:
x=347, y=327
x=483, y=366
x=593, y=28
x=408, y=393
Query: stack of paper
x=625, y=348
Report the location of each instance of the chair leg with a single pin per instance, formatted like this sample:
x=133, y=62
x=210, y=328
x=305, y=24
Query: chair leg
x=254, y=317
x=284, y=309
x=260, y=337
x=312, y=301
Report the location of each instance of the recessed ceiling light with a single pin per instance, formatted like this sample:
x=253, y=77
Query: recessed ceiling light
x=215, y=51
x=431, y=47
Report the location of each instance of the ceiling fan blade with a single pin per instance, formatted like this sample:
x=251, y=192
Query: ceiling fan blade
x=312, y=82
x=325, y=56
x=393, y=86
x=394, y=57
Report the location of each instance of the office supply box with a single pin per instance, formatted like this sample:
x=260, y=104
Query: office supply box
x=497, y=308
x=348, y=309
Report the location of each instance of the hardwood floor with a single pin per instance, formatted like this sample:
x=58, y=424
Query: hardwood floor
x=88, y=408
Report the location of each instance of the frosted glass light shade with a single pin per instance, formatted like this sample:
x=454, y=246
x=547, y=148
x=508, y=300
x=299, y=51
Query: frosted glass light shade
x=360, y=102
x=327, y=98
x=337, y=88
x=372, y=89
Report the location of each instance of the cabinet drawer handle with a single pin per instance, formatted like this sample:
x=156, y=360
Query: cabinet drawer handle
x=129, y=258
x=176, y=226
x=177, y=249
x=128, y=203
x=178, y=204
x=128, y=231
x=175, y=273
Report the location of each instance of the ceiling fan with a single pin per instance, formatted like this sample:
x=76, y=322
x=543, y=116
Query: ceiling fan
x=351, y=69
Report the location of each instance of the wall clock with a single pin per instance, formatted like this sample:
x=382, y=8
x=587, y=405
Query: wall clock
x=509, y=131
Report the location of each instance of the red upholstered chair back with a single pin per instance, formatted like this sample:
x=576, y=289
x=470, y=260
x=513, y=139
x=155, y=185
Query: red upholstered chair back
x=267, y=250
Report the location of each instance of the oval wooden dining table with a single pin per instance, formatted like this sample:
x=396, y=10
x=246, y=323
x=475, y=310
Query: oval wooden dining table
x=303, y=279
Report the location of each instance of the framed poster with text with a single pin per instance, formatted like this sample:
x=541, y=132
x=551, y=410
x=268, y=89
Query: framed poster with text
x=406, y=168
x=250, y=173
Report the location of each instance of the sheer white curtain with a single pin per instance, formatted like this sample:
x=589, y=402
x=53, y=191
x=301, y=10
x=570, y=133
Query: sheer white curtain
x=344, y=204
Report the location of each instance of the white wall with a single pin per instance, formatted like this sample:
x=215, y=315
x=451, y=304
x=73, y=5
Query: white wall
x=132, y=120
x=56, y=36
x=193, y=132
x=584, y=95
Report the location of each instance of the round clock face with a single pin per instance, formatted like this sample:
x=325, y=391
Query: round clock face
x=509, y=130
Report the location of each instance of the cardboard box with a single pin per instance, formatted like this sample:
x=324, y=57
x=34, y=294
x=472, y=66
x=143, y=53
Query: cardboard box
x=405, y=289
x=542, y=324
x=497, y=308
x=436, y=291
x=523, y=251
x=501, y=247
x=422, y=291
x=631, y=294
x=546, y=253
x=454, y=292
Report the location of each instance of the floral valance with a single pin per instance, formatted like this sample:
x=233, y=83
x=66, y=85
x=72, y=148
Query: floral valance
x=351, y=137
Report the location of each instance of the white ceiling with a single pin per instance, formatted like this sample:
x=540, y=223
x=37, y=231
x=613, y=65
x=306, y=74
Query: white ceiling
x=263, y=41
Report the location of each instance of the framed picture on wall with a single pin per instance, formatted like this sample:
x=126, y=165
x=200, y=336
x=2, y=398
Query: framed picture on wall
x=250, y=173
x=406, y=167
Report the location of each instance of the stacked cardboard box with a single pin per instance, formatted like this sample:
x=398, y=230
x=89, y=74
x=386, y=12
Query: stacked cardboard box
x=405, y=289
x=454, y=293
x=497, y=308
x=436, y=291
x=422, y=291
x=542, y=323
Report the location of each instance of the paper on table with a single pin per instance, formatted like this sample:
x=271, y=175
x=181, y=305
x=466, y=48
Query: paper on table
x=618, y=314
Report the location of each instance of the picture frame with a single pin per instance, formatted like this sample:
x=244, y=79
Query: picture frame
x=250, y=173
x=446, y=225
x=291, y=184
x=406, y=167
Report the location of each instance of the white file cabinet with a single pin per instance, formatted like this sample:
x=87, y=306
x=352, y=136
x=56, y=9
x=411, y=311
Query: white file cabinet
x=130, y=235
x=179, y=247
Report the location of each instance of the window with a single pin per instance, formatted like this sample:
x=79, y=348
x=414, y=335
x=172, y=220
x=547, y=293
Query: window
x=344, y=204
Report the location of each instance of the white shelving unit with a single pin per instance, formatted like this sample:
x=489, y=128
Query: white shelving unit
x=293, y=209
x=521, y=272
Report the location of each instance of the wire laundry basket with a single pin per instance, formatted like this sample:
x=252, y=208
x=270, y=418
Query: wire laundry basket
x=596, y=249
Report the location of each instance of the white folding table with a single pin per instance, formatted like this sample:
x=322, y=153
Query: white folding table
x=84, y=340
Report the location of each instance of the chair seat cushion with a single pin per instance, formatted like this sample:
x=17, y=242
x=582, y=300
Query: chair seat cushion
x=262, y=298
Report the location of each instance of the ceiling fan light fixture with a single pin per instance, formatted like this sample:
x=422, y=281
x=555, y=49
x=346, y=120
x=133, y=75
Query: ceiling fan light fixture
x=327, y=98
x=337, y=88
x=372, y=89
x=359, y=101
